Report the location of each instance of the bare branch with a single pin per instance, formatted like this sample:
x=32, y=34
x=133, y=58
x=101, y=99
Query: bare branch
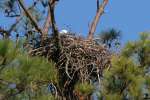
x=19, y=18
x=48, y=22
x=33, y=21
x=55, y=33
x=100, y=11
x=97, y=5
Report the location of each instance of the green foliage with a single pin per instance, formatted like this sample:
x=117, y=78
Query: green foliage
x=84, y=88
x=110, y=37
x=47, y=97
x=139, y=50
x=129, y=73
x=123, y=77
x=31, y=69
x=30, y=74
x=113, y=97
x=28, y=77
x=7, y=50
x=147, y=80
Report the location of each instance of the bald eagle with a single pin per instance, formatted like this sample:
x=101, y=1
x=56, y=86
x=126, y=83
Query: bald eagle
x=63, y=31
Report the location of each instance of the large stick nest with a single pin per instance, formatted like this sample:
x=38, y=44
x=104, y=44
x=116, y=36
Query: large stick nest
x=79, y=58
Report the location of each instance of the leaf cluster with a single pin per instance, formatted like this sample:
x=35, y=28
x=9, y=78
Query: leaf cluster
x=22, y=74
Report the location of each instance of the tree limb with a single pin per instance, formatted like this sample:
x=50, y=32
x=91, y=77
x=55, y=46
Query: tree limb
x=100, y=11
x=48, y=22
x=33, y=21
x=55, y=33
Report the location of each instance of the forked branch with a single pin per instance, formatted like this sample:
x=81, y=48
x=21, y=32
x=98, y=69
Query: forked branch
x=48, y=22
x=99, y=13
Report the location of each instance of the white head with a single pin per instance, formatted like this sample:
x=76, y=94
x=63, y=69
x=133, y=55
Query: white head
x=63, y=31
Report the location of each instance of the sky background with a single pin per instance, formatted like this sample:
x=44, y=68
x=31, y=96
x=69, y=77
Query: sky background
x=129, y=16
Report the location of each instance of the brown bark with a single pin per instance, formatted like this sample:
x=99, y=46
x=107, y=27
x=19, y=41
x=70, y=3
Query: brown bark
x=47, y=25
x=55, y=33
x=52, y=18
x=48, y=22
x=99, y=13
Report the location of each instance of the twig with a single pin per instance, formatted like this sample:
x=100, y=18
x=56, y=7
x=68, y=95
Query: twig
x=66, y=67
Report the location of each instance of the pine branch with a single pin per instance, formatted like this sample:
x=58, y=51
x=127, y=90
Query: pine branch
x=100, y=11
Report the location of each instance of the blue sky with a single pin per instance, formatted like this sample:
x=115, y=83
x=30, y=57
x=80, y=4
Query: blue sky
x=129, y=16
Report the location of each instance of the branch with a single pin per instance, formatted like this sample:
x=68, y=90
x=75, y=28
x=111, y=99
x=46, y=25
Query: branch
x=7, y=33
x=97, y=1
x=100, y=11
x=53, y=22
x=33, y=21
x=55, y=32
x=18, y=19
x=48, y=22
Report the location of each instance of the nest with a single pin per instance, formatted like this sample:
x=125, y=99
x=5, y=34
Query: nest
x=79, y=59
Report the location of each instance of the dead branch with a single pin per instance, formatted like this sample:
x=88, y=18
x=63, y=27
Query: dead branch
x=33, y=21
x=56, y=38
x=97, y=5
x=48, y=22
x=99, y=13
x=18, y=19
x=52, y=16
